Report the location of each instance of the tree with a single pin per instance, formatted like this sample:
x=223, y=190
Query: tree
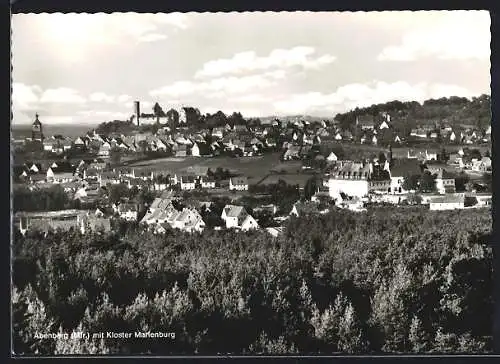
x=461, y=181
x=411, y=182
x=158, y=111
x=427, y=182
x=310, y=187
x=351, y=338
x=117, y=191
x=417, y=336
x=115, y=156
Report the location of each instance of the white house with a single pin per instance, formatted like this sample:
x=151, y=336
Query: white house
x=383, y=125
x=445, y=182
x=234, y=216
x=351, y=179
x=397, y=139
x=238, y=184
x=332, y=157
x=195, y=150
x=188, y=183
x=127, y=211
x=431, y=155
x=207, y=182
x=189, y=220
x=249, y=223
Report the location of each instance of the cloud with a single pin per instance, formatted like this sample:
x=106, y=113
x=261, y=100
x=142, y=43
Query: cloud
x=220, y=86
x=101, y=97
x=362, y=95
x=25, y=97
x=458, y=35
x=278, y=58
x=251, y=98
x=152, y=37
x=71, y=32
x=62, y=95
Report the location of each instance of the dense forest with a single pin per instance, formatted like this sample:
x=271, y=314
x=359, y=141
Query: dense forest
x=388, y=280
x=454, y=110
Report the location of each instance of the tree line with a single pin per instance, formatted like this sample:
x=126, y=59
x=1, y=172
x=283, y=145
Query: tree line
x=384, y=281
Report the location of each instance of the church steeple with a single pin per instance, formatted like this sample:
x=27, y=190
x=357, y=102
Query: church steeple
x=36, y=129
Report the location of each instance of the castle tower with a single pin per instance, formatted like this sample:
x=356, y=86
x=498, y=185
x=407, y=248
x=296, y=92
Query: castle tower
x=36, y=130
x=137, y=112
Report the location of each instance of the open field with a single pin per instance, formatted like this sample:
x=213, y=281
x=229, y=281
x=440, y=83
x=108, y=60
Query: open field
x=252, y=167
x=292, y=179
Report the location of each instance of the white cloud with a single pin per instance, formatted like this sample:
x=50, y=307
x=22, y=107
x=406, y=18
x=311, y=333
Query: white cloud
x=25, y=97
x=251, y=98
x=101, y=97
x=124, y=98
x=220, y=86
x=152, y=37
x=457, y=35
x=362, y=95
x=278, y=58
x=62, y=95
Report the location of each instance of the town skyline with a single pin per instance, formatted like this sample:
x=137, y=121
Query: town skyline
x=273, y=64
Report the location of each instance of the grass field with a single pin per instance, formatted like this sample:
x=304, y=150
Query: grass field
x=255, y=168
x=292, y=179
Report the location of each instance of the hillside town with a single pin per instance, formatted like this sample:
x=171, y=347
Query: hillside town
x=134, y=176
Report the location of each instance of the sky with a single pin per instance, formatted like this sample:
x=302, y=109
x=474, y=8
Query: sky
x=89, y=68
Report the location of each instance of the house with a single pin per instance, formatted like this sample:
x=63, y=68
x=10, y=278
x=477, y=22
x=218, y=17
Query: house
x=237, y=217
x=249, y=223
x=365, y=122
x=218, y=133
x=445, y=182
x=275, y=231
x=233, y=216
x=127, y=211
x=399, y=170
x=397, y=139
x=207, y=182
x=448, y=202
x=195, y=150
x=293, y=152
x=338, y=137
x=350, y=179
x=104, y=150
x=238, y=184
x=419, y=133
x=160, y=211
x=79, y=143
x=482, y=165
x=60, y=172
x=304, y=208
x=383, y=125
x=332, y=157
x=180, y=150
x=374, y=140
x=431, y=155
x=187, y=183
x=189, y=220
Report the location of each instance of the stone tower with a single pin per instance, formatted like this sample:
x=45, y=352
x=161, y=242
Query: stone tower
x=36, y=130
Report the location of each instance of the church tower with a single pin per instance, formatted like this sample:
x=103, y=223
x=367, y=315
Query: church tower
x=36, y=130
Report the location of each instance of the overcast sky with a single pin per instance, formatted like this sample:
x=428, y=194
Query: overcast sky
x=88, y=68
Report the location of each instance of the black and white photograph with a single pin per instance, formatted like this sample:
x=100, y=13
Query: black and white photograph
x=251, y=184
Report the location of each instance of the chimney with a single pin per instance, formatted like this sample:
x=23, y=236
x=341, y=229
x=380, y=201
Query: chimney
x=137, y=111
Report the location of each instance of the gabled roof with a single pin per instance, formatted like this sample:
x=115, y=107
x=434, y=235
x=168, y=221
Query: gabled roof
x=444, y=174
x=239, y=180
x=234, y=211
